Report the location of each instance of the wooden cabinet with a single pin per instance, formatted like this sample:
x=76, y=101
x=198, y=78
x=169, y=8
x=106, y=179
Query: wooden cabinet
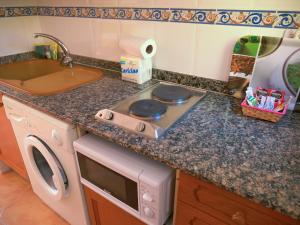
x=9, y=150
x=199, y=202
x=104, y=212
x=189, y=215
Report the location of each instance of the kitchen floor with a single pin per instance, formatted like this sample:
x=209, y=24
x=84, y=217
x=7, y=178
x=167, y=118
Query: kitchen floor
x=20, y=206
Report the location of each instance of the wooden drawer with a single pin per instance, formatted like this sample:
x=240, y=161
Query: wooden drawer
x=188, y=215
x=226, y=206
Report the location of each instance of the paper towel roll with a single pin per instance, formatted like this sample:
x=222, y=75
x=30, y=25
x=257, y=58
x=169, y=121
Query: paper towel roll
x=138, y=47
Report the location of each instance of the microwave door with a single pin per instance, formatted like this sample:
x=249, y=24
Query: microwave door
x=109, y=181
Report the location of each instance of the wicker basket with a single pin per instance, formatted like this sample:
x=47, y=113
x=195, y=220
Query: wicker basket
x=262, y=113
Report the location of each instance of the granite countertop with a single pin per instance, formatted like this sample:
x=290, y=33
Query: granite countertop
x=214, y=141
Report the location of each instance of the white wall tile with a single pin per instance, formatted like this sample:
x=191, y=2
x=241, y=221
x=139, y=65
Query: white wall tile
x=176, y=47
x=266, y=31
x=13, y=41
x=293, y=5
x=17, y=34
x=137, y=28
x=75, y=33
x=32, y=25
x=226, y=4
x=135, y=3
x=63, y=3
x=106, y=35
x=175, y=4
x=214, y=46
x=9, y=3
x=103, y=3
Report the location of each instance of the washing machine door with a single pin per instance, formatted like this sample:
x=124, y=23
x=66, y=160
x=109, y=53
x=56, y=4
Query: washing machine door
x=46, y=167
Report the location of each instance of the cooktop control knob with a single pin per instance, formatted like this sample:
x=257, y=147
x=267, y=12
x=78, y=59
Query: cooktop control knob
x=148, y=212
x=108, y=115
x=140, y=127
x=147, y=197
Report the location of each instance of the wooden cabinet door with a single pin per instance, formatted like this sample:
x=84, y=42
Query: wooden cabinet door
x=9, y=149
x=188, y=215
x=207, y=202
x=104, y=212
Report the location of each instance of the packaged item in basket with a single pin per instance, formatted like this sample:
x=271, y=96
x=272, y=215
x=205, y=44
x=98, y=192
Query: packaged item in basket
x=280, y=107
x=262, y=102
x=269, y=105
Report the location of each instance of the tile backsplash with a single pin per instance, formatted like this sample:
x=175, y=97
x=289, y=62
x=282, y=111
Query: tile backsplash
x=194, y=37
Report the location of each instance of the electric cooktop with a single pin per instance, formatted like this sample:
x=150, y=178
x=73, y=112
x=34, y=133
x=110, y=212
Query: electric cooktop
x=152, y=111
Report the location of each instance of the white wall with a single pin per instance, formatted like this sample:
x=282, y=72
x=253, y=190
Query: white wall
x=16, y=32
x=202, y=50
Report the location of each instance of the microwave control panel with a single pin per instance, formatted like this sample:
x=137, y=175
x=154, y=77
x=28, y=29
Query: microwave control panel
x=149, y=203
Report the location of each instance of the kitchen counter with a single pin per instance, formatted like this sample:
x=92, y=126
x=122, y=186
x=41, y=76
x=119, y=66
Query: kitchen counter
x=214, y=141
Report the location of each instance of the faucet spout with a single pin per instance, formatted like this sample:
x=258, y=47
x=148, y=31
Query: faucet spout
x=66, y=59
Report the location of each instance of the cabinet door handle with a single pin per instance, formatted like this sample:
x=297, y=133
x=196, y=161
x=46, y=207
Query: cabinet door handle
x=239, y=218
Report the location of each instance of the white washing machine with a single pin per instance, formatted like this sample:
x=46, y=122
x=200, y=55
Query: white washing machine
x=46, y=146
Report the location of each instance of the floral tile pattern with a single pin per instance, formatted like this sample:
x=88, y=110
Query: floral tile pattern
x=288, y=20
x=45, y=11
x=246, y=18
x=20, y=11
x=256, y=18
x=207, y=16
x=150, y=14
x=65, y=11
x=160, y=14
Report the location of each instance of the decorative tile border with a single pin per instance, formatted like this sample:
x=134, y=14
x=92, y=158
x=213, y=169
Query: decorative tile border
x=205, y=16
x=288, y=19
x=254, y=18
x=246, y=18
x=18, y=11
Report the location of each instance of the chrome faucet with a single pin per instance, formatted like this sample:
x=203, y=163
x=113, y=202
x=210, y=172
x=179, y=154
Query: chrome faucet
x=66, y=58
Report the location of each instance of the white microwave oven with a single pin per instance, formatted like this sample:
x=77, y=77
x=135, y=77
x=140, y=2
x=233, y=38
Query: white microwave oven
x=140, y=186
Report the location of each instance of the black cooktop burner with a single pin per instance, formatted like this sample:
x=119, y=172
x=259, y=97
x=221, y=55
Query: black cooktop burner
x=148, y=109
x=171, y=94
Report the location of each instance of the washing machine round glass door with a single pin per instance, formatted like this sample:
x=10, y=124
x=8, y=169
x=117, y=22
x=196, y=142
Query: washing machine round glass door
x=46, y=167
